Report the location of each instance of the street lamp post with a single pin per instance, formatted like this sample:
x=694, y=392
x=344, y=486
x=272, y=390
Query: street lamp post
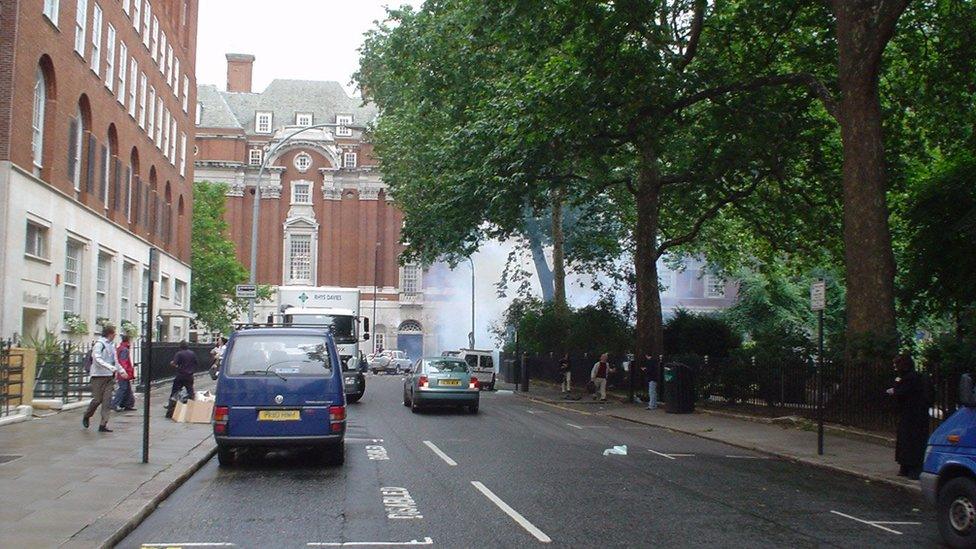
x=256, y=210
x=471, y=338
x=376, y=270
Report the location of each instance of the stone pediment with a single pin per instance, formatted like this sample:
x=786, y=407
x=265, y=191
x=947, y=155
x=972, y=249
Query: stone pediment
x=301, y=222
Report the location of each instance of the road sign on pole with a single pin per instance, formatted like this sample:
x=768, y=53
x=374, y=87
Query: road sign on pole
x=246, y=291
x=818, y=295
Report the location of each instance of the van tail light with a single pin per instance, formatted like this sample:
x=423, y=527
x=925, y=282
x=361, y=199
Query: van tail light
x=423, y=382
x=474, y=383
x=220, y=418
x=337, y=417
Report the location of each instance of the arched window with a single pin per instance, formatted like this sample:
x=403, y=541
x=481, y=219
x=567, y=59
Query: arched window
x=168, y=215
x=152, y=203
x=113, y=172
x=76, y=139
x=132, y=207
x=37, y=122
x=81, y=148
x=410, y=326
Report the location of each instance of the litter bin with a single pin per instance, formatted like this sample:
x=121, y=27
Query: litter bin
x=679, y=388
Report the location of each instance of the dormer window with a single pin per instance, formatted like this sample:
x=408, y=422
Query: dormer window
x=303, y=119
x=262, y=122
x=342, y=125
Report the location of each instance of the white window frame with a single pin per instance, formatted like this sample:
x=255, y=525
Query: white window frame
x=125, y=291
x=123, y=73
x=300, y=161
x=349, y=160
x=96, y=39
x=166, y=133
x=342, y=125
x=103, y=283
x=179, y=293
x=198, y=114
x=79, y=136
x=73, y=276
x=307, y=117
x=182, y=162
x=81, y=26
x=297, y=264
x=186, y=94
x=164, y=286
x=175, y=84
x=36, y=245
x=154, y=39
x=136, y=15
x=410, y=280
x=159, y=122
x=151, y=124
x=165, y=55
x=255, y=155
x=258, y=124
x=169, y=62
x=52, y=8
x=110, y=56
x=172, y=139
x=37, y=117
x=133, y=86
x=304, y=197
x=126, y=4
x=107, y=162
x=711, y=282
x=142, y=100
x=146, y=25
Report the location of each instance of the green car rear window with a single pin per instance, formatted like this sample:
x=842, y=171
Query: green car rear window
x=446, y=365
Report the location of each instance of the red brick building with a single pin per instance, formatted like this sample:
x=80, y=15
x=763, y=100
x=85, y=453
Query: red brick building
x=96, y=105
x=326, y=218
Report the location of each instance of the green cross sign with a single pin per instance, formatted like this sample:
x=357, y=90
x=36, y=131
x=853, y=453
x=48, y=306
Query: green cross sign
x=303, y=298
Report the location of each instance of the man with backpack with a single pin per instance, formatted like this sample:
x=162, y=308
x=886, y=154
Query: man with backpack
x=598, y=375
x=102, y=367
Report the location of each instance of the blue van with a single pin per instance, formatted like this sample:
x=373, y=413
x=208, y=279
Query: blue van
x=949, y=472
x=280, y=387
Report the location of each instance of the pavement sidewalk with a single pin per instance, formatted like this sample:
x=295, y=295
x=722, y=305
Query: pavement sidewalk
x=74, y=487
x=862, y=458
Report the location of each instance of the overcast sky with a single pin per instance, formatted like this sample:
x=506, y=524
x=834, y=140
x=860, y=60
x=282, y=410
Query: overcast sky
x=299, y=39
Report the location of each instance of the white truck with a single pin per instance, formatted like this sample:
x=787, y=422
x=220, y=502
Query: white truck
x=481, y=364
x=339, y=309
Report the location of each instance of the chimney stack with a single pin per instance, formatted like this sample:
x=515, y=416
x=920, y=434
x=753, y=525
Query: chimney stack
x=239, y=67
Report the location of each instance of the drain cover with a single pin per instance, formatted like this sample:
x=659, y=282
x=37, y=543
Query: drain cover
x=4, y=458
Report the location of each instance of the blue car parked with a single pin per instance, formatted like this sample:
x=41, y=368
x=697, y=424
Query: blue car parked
x=949, y=472
x=280, y=387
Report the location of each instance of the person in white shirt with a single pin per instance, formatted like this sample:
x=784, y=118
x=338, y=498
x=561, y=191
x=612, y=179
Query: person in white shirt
x=598, y=375
x=103, y=370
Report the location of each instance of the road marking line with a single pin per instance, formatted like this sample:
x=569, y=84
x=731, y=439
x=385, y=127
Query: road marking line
x=425, y=541
x=544, y=403
x=190, y=544
x=875, y=523
x=682, y=455
x=733, y=456
x=660, y=454
x=896, y=522
x=574, y=426
x=440, y=454
x=536, y=411
x=522, y=521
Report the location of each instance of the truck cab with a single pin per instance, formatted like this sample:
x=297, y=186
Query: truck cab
x=949, y=472
x=344, y=325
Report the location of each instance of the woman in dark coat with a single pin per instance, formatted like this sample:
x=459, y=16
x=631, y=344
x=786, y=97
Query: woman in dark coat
x=912, y=401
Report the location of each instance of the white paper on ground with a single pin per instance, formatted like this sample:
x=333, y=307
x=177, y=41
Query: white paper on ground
x=616, y=450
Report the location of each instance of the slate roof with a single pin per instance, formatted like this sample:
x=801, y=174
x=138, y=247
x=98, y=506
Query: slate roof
x=285, y=98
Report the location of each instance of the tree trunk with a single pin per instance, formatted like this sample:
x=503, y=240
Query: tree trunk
x=650, y=339
x=868, y=256
x=539, y=259
x=558, y=248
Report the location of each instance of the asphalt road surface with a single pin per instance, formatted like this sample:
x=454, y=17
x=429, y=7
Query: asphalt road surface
x=521, y=474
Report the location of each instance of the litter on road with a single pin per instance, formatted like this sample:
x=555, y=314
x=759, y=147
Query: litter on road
x=616, y=451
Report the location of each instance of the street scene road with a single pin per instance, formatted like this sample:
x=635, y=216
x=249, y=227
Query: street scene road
x=525, y=473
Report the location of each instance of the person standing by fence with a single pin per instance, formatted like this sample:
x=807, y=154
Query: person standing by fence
x=912, y=400
x=124, y=398
x=652, y=372
x=598, y=375
x=565, y=370
x=103, y=371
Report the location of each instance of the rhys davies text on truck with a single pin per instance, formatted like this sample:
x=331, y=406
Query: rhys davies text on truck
x=337, y=308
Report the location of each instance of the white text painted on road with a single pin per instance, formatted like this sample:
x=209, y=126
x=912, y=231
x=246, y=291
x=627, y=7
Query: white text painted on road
x=425, y=541
x=440, y=454
x=516, y=516
x=190, y=544
x=376, y=453
x=877, y=523
x=399, y=504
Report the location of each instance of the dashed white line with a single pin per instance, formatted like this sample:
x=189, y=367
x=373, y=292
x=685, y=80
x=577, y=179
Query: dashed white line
x=660, y=454
x=425, y=541
x=574, y=426
x=516, y=516
x=440, y=454
x=734, y=456
x=190, y=544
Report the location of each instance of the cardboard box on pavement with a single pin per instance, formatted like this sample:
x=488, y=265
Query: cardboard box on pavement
x=200, y=411
x=179, y=413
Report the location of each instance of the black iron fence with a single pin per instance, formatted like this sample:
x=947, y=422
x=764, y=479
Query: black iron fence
x=853, y=396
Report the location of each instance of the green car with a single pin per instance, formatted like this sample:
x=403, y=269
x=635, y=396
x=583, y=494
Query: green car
x=441, y=381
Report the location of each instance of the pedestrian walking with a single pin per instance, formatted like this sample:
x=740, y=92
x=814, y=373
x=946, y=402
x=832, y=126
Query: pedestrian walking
x=652, y=372
x=566, y=373
x=124, y=398
x=186, y=365
x=912, y=401
x=102, y=378
x=217, y=356
x=598, y=375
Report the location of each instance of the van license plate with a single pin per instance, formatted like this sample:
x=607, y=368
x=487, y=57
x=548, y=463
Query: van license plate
x=279, y=415
x=450, y=382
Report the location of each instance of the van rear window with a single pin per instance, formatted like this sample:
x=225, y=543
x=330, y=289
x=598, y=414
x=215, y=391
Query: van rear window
x=279, y=355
